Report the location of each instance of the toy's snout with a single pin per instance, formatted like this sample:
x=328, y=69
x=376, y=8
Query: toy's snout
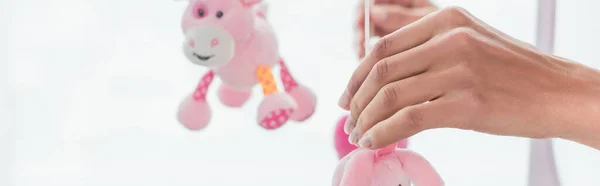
x=209, y=46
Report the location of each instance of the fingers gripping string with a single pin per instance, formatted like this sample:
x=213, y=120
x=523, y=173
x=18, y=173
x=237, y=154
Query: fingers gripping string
x=202, y=88
x=266, y=80
x=286, y=77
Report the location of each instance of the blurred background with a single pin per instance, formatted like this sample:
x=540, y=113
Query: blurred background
x=89, y=91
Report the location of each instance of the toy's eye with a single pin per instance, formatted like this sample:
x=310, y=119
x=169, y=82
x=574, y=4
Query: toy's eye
x=200, y=12
x=219, y=14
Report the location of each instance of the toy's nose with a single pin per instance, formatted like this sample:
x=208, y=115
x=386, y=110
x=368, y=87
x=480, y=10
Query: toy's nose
x=214, y=42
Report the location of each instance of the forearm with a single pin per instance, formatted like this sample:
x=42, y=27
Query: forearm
x=583, y=106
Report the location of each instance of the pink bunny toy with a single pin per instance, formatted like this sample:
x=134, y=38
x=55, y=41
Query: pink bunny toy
x=343, y=147
x=388, y=166
x=234, y=40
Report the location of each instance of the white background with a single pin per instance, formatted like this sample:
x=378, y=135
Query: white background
x=92, y=87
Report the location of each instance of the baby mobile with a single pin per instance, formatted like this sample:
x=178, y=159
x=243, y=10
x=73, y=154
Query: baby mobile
x=395, y=166
x=233, y=39
x=392, y=165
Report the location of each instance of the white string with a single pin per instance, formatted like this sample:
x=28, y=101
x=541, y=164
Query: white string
x=367, y=25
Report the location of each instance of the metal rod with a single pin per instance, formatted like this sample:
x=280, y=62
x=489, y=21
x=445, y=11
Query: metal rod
x=542, y=166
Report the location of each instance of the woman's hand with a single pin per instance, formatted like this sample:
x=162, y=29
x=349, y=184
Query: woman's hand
x=449, y=69
x=388, y=16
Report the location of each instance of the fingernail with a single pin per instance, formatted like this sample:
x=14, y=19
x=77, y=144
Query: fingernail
x=349, y=125
x=344, y=100
x=378, y=15
x=353, y=137
x=365, y=141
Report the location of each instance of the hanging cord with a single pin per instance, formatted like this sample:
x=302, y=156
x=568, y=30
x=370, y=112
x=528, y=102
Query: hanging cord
x=542, y=166
x=369, y=42
x=368, y=26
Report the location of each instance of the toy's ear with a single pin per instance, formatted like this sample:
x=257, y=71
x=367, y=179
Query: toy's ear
x=359, y=169
x=249, y=2
x=420, y=172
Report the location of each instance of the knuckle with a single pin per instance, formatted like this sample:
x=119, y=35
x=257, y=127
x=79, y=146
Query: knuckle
x=354, y=109
x=462, y=37
x=414, y=118
x=381, y=70
x=353, y=85
x=381, y=48
x=390, y=96
x=456, y=15
x=361, y=124
x=464, y=41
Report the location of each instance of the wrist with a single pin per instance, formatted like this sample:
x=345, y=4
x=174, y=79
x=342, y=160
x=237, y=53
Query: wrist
x=582, y=104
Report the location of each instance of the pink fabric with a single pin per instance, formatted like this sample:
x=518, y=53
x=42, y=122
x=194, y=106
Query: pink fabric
x=385, y=150
x=304, y=97
x=214, y=42
x=343, y=147
x=306, y=101
x=276, y=118
x=275, y=110
x=233, y=98
x=202, y=88
x=240, y=25
x=241, y=40
x=194, y=114
x=365, y=167
x=286, y=78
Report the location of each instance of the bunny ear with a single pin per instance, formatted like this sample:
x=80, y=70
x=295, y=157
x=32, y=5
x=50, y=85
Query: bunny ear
x=359, y=169
x=420, y=172
x=249, y=2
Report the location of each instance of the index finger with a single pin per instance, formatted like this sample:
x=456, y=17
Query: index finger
x=399, y=41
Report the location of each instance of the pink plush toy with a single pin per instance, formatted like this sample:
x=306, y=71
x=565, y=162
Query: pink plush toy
x=388, y=166
x=343, y=147
x=234, y=40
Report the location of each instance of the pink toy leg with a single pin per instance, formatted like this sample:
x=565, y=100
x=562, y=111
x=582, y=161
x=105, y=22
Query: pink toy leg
x=275, y=110
x=194, y=113
x=277, y=107
x=304, y=97
x=233, y=98
x=342, y=146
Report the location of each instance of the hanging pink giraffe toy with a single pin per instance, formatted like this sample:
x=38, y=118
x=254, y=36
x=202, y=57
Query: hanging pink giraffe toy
x=234, y=40
x=389, y=166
